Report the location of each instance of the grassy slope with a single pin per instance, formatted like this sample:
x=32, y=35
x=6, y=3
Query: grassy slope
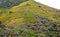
x=36, y=8
x=30, y=8
x=25, y=14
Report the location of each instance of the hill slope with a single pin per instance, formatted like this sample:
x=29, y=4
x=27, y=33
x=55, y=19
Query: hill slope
x=31, y=19
x=10, y=3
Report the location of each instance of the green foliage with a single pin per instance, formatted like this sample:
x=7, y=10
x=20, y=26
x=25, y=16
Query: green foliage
x=29, y=19
x=10, y=3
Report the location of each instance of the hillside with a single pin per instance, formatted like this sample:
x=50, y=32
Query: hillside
x=30, y=19
x=10, y=3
